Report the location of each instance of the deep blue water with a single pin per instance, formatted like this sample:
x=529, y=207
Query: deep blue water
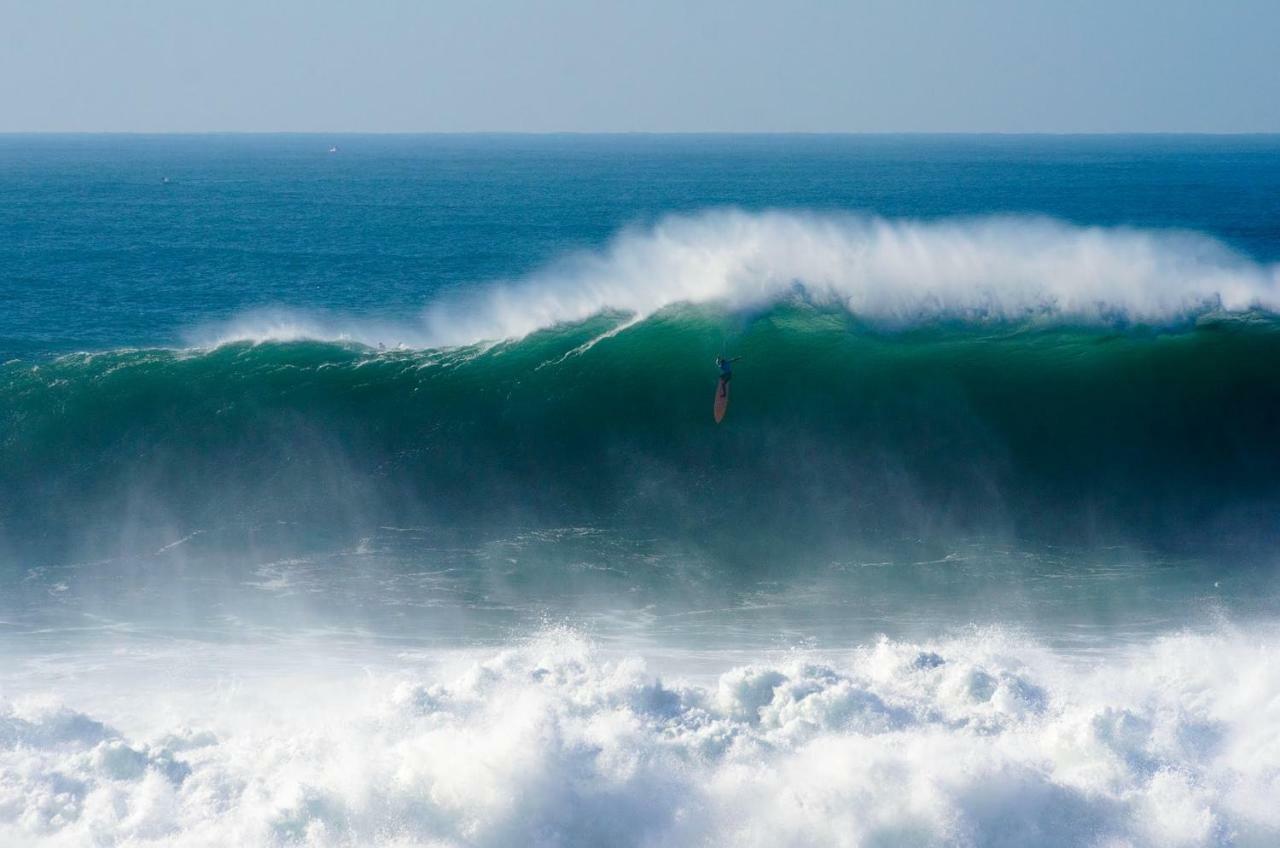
x=98, y=251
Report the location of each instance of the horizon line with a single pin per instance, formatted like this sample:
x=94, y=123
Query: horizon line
x=551, y=133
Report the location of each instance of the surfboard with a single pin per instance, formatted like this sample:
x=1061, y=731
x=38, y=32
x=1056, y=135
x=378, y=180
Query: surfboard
x=722, y=399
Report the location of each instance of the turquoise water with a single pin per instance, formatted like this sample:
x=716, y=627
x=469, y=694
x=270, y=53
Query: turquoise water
x=398, y=462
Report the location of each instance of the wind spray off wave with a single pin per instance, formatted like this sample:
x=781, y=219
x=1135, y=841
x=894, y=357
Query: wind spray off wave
x=889, y=273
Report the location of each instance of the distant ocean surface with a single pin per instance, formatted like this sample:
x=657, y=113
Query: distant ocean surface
x=364, y=490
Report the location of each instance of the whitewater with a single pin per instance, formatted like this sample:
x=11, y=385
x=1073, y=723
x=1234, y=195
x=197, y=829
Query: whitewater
x=980, y=739
x=374, y=499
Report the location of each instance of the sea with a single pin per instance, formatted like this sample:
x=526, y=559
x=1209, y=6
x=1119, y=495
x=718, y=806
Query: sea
x=364, y=490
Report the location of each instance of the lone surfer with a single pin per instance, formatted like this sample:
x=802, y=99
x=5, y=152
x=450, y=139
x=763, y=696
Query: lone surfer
x=726, y=368
x=722, y=388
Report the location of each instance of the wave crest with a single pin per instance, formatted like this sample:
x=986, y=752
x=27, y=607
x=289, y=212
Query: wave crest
x=896, y=273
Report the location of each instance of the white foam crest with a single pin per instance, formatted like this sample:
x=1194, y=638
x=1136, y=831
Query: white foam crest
x=982, y=740
x=892, y=272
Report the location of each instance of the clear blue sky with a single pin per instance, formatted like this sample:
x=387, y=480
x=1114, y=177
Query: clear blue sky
x=646, y=65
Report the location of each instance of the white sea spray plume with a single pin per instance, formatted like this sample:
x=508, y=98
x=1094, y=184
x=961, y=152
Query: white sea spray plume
x=895, y=273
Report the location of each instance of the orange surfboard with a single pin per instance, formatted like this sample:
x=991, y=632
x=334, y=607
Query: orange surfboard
x=722, y=399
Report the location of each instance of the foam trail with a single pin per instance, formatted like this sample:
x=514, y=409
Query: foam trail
x=895, y=273
x=981, y=740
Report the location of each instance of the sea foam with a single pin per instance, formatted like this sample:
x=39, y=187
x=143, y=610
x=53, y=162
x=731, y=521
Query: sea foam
x=895, y=273
x=985, y=739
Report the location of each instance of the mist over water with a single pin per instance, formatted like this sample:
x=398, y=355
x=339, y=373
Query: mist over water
x=415, y=528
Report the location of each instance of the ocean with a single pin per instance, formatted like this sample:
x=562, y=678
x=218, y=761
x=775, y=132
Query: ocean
x=365, y=490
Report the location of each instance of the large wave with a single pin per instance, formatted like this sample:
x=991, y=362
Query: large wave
x=984, y=740
x=835, y=433
x=889, y=273
x=900, y=378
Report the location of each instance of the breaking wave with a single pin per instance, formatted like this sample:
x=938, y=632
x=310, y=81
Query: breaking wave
x=899, y=378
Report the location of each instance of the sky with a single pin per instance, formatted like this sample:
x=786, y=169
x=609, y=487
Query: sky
x=640, y=66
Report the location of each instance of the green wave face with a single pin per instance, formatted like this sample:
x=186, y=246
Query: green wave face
x=836, y=433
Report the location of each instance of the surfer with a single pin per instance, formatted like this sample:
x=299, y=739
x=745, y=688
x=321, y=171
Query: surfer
x=726, y=367
x=722, y=388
